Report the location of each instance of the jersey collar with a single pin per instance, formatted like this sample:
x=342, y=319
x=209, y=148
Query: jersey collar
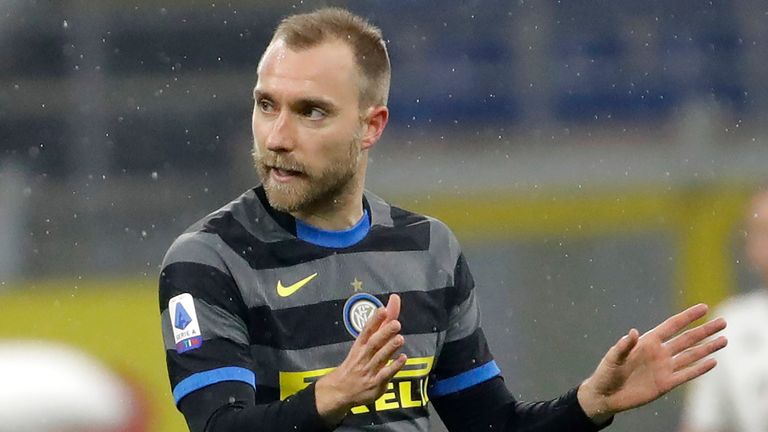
x=317, y=236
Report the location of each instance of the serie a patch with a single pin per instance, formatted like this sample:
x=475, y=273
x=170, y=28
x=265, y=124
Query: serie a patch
x=358, y=310
x=186, y=327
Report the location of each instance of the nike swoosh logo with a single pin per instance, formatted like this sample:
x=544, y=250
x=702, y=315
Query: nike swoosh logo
x=285, y=291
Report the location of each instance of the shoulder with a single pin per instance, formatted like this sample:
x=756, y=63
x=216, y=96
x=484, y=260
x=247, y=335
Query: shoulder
x=443, y=243
x=439, y=230
x=744, y=306
x=404, y=217
x=202, y=241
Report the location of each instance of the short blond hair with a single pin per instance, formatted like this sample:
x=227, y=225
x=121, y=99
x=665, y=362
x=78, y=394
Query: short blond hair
x=308, y=30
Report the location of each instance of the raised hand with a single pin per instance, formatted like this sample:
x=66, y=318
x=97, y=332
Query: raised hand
x=363, y=376
x=640, y=369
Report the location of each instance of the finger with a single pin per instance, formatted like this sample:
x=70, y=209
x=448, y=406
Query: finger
x=389, y=371
x=698, y=352
x=691, y=372
x=674, y=324
x=695, y=335
x=619, y=352
x=385, y=333
x=382, y=356
x=372, y=326
x=393, y=307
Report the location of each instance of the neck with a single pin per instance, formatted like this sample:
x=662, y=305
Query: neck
x=340, y=212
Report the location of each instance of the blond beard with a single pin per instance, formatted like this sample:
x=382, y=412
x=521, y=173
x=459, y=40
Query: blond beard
x=310, y=190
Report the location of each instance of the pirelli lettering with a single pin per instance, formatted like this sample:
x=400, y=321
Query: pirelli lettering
x=408, y=388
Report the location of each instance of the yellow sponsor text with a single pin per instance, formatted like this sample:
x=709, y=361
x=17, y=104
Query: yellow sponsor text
x=408, y=389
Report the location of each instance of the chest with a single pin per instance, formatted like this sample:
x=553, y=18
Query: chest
x=746, y=360
x=321, y=305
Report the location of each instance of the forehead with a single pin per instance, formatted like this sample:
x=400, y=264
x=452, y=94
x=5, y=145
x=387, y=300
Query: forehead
x=327, y=70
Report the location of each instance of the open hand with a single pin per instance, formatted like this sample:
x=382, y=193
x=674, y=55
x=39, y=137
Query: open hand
x=363, y=376
x=640, y=369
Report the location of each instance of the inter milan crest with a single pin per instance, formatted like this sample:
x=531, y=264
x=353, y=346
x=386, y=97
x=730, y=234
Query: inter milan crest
x=358, y=310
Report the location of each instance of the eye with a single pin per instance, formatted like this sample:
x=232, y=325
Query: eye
x=314, y=113
x=265, y=106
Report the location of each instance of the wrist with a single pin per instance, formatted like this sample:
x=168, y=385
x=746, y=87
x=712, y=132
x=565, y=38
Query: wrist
x=593, y=403
x=330, y=402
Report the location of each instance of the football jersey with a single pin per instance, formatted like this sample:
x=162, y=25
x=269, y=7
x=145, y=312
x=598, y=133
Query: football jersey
x=249, y=294
x=734, y=395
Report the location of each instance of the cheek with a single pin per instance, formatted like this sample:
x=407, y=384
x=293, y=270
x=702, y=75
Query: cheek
x=259, y=132
x=254, y=120
x=254, y=126
x=328, y=144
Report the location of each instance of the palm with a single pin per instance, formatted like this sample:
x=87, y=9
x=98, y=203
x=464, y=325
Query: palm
x=639, y=369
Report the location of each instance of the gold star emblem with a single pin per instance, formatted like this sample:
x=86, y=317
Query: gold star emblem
x=357, y=285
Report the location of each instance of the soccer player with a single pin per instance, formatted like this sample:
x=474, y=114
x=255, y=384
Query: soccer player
x=735, y=396
x=273, y=307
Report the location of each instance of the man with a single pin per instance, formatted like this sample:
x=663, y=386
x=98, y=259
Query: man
x=273, y=306
x=735, y=396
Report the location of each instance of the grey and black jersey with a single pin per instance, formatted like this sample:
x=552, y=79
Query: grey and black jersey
x=251, y=295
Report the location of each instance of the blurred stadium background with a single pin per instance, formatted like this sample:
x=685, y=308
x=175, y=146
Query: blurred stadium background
x=594, y=158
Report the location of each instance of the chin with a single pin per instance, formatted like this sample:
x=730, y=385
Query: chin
x=285, y=201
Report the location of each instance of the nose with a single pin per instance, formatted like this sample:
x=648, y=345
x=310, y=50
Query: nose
x=281, y=136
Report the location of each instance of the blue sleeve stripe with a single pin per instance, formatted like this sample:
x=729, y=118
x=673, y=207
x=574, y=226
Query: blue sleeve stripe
x=465, y=379
x=213, y=376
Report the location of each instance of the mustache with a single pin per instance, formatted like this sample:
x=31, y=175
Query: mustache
x=280, y=161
